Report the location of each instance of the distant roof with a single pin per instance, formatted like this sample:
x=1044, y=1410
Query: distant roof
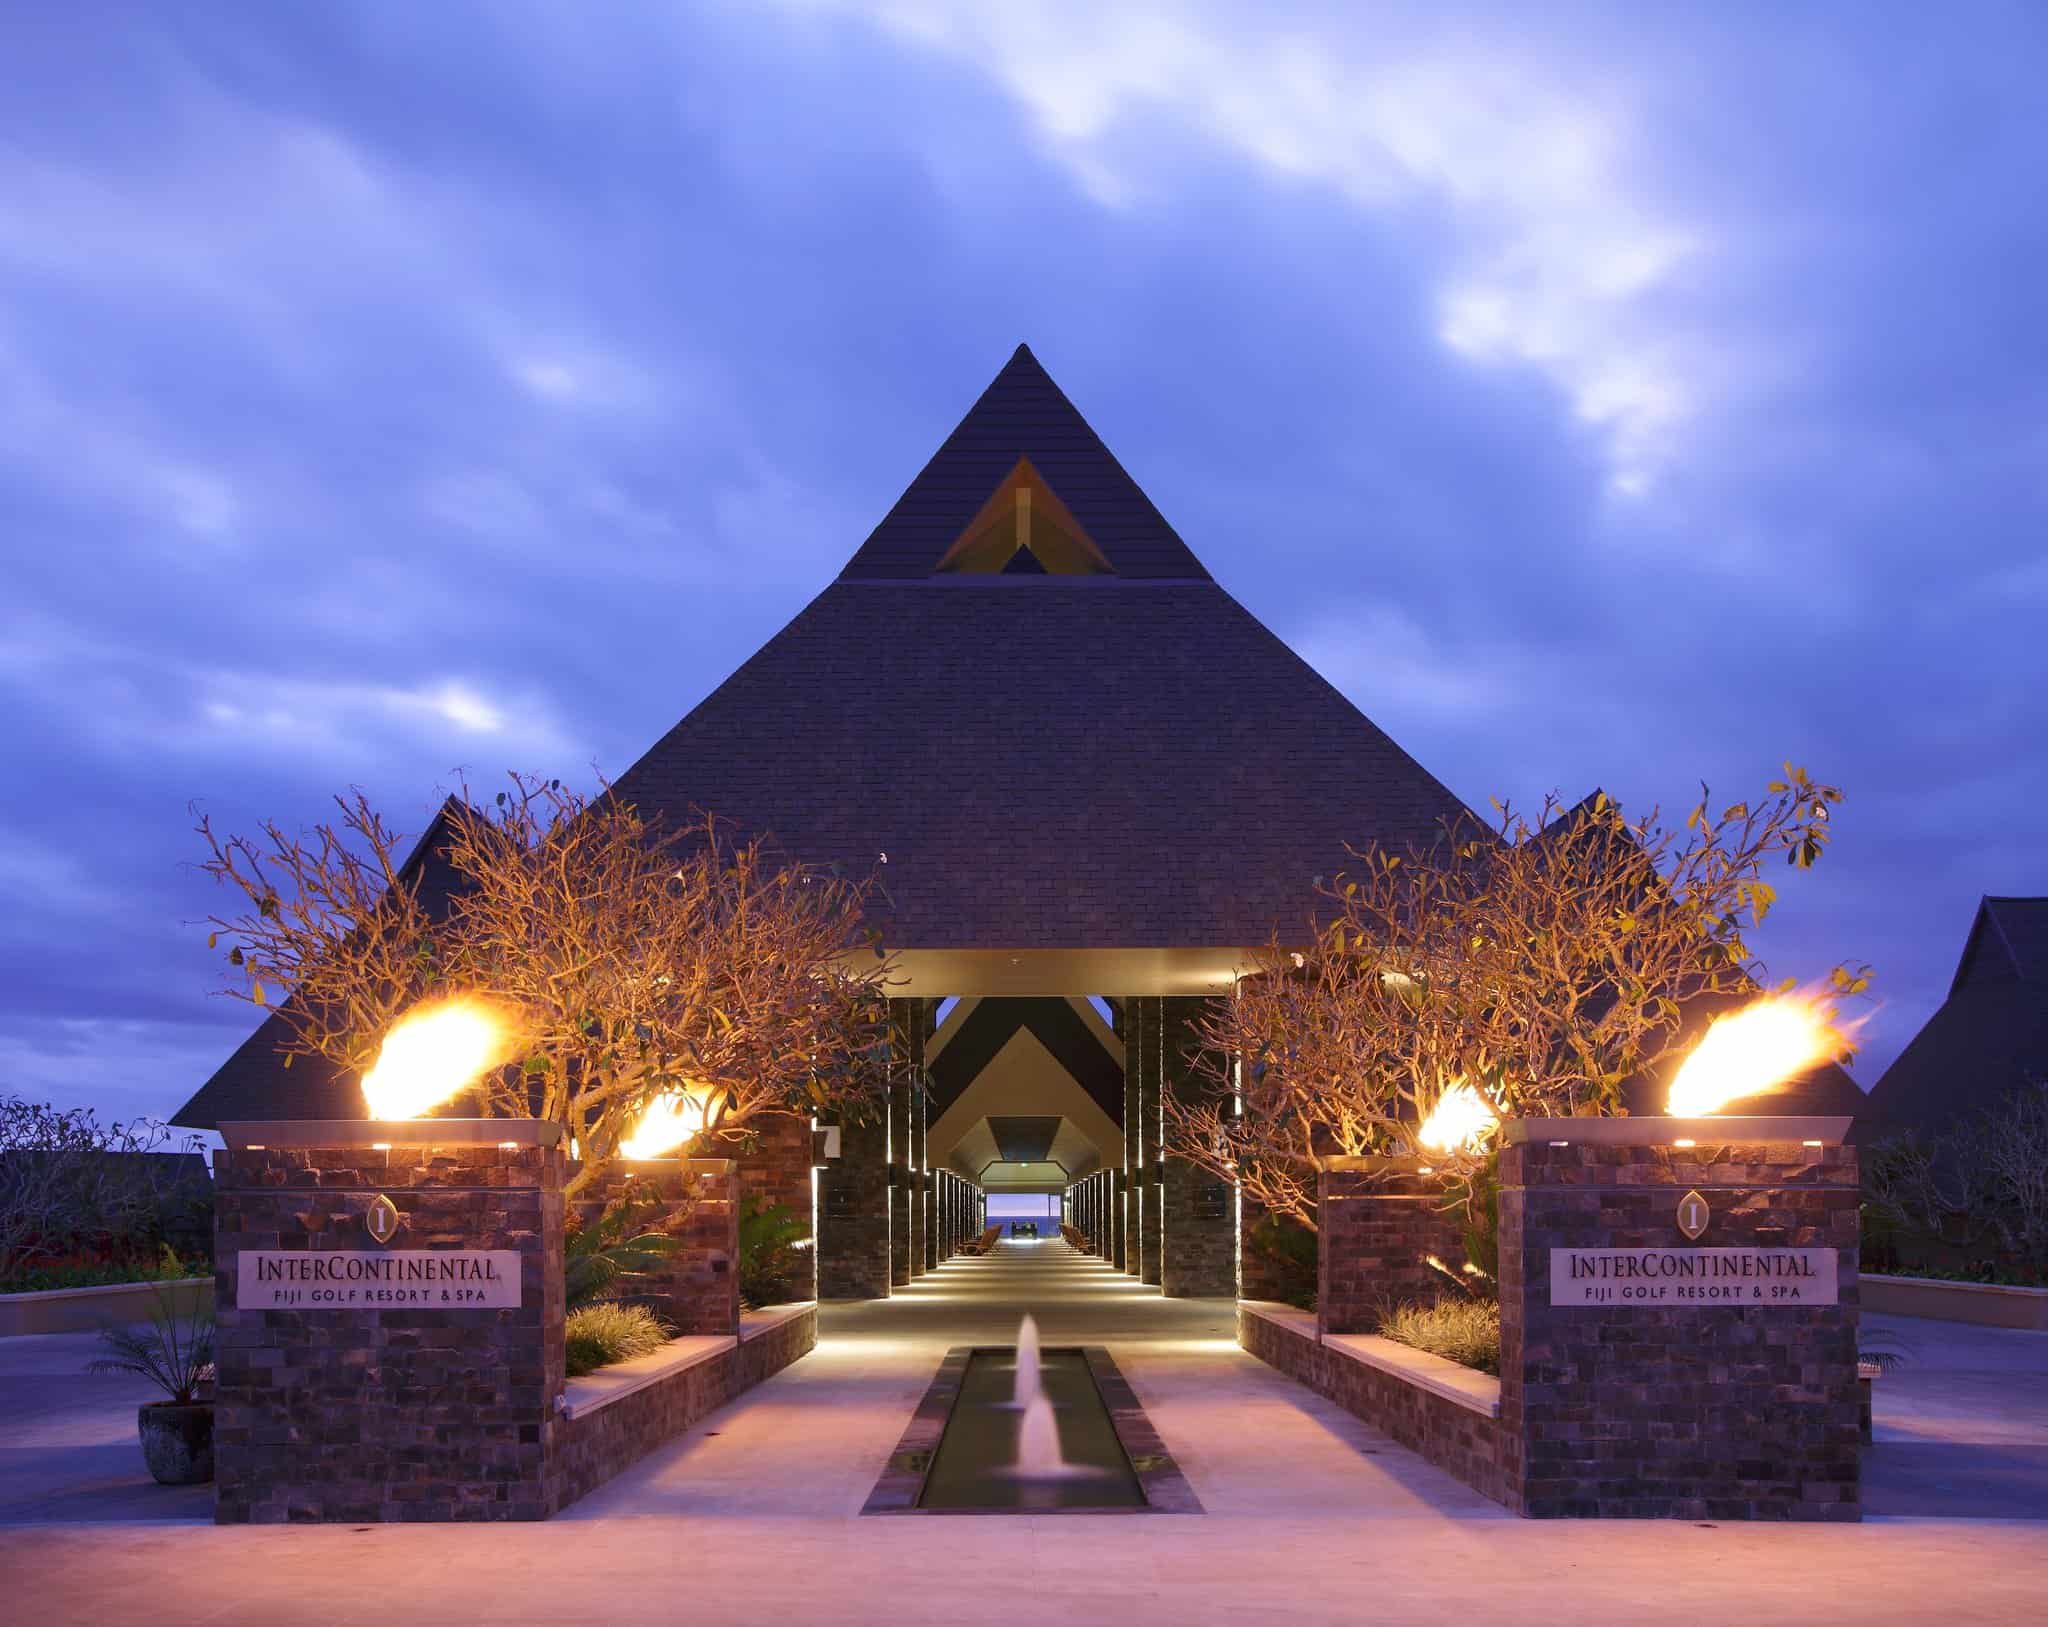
x=2008, y=942
x=1988, y=1038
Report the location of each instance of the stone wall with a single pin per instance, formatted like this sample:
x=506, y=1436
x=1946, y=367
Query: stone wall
x=775, y=1163
x=1702, y=1412
x=596, y=1442
x=1260, y=1275
x=853, y=1220
x=1457, y=1437
x=388, y=1414
x=698, y=1289
x=1377, y=1222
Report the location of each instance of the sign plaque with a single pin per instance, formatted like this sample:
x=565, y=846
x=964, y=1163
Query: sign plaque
x=1693, y=1214
x=1690, y=1277
x=379, y=1280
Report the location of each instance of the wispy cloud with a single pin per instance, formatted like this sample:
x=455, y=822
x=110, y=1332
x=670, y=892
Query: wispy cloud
x=1558, y=253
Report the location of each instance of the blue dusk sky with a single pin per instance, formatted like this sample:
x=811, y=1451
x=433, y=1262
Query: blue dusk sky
x=1598, y=396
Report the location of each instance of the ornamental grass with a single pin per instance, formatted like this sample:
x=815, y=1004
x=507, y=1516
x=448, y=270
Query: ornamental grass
x=605, y=1332
x=1466, y=1331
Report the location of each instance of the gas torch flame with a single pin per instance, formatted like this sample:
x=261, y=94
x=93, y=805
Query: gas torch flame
x=1459, y=1122
x=1761, y=1046
x=669, y=1121
x=430, y=1055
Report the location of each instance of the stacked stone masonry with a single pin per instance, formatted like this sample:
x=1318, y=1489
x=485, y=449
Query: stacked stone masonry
x=699, y=1287
x=1198, y=1212
x=775, y=1159
x=396, y=1413
x=388, y=1414
x=1701, y=1412
x=1379, y=1225
x=1456, y=1438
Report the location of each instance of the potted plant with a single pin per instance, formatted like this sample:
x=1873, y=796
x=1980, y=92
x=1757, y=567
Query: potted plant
x=176, y=1354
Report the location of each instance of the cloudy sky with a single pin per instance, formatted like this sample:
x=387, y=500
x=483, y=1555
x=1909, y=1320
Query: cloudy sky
x=390, y=390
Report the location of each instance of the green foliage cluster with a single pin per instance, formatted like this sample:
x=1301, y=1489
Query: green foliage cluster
x=75, y=1191
x=168, y=1266
x=1466, y=1331
x=598, y=1257
x=596, y=1335
x=1970, y=1206
x=770, y=1260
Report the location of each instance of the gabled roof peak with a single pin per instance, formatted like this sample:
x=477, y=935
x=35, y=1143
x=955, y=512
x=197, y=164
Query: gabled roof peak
x=1023, y=417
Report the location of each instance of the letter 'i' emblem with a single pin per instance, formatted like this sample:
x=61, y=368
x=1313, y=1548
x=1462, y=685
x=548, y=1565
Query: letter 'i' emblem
x=383, y=1219
x=1692, y=1214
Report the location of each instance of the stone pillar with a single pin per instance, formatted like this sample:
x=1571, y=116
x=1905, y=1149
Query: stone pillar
x=1132, y=1028
x=1146, y=1023
x=902, y=1023
x=775, y=1162
x=1198, y=1212
x=853, y=1225
x=1726, y=1393
x=1378, y=1221
x=387, y=1410
x=698, y=1291
x=920, y=1217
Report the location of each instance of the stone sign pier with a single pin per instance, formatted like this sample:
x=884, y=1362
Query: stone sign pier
x=390, y=1323
x=1678, y=1313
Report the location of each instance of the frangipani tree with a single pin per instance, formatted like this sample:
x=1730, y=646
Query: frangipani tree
x=623, y=967
x=1530, y=969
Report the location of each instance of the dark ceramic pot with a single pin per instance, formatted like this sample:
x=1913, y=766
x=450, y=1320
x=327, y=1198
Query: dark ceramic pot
x=177, y=1441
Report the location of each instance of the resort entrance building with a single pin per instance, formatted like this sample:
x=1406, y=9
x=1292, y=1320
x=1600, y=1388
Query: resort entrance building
x=1093, y=786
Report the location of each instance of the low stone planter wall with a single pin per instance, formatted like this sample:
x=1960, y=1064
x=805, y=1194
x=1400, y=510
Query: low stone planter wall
x=1983, y=1304
x=612, y=1418
x=81, y=1310
x=1444, y=1413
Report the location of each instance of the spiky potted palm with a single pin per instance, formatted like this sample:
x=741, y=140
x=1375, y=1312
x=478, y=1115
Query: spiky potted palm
x=175, y=1353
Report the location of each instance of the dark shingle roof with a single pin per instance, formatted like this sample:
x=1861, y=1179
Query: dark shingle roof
x=1048, y=762
x=1023, y=414
x=1989, y=1037
x=2008, y=942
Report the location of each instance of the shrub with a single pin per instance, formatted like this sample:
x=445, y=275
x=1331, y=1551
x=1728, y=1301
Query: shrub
x=599, y=1334
x=769, y=1260
x=598, y=1254
x=175, y=1353
x=1466, y=1331
x=75, y=1191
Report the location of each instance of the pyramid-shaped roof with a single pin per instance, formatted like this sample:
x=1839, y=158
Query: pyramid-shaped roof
x=1023, y=415
x=1067, y=761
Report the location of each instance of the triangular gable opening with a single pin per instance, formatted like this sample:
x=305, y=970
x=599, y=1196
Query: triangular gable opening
x=1023, y=530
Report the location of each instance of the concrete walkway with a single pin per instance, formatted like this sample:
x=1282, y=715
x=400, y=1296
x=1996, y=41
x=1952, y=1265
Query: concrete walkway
x=753, y=1516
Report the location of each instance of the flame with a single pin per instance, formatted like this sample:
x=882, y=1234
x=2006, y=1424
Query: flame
x=1764, y=1044
x=669, y=1121
x=432, y=1053
x=1459, y=1121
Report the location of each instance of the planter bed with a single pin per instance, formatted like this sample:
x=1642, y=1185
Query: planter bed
x=1983, y=1304
x=1445, y=1413
x=82, y=1310
x=609, y=1419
